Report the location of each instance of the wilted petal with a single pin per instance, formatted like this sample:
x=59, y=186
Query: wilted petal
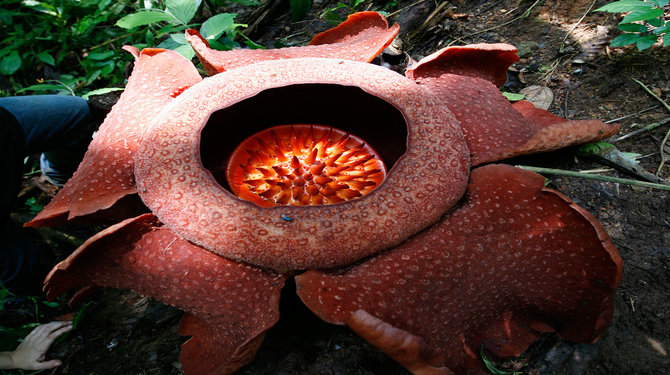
x=229, y=306
x=515, y=260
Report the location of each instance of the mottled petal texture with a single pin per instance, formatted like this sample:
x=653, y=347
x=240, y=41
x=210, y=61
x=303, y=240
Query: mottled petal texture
x=425, y=181
x=229, y=306
x=106, y=173
x=465, y=78
x=361, y=37
x=514, y=260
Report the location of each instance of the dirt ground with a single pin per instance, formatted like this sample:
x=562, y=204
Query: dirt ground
x=562, y=47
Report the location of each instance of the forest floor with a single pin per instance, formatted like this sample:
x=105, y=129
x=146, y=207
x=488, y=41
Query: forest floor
x=563, y=47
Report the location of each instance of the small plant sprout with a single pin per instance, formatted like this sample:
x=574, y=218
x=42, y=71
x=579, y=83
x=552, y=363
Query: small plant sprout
x=644, y=23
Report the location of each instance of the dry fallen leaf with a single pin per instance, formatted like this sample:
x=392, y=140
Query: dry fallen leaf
x=540, y=96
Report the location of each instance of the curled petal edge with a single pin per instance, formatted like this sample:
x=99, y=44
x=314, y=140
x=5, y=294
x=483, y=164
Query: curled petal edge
x=360, y=38
x=466, y=79
x=142, y=255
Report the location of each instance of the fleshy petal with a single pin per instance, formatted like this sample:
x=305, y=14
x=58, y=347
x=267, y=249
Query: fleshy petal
x=230, y=306
x=407, y=349
x=106, y=173
x=487, y=61
x=514, y=260
x=466, y=79
x=360, y=38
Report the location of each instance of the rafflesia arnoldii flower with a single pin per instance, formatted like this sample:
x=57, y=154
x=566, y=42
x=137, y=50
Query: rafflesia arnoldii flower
x=310, y=161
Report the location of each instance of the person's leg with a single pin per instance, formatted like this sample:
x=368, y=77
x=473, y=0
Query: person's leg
x=57, y=126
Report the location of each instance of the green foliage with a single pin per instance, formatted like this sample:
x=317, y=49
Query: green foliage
x=338, y=13
x=169, y=24
x=67, y=45
x=513, y=97
x=643, y=24
x=299, y=9
x=73, y=47
x=595, y=147
x=33, y=206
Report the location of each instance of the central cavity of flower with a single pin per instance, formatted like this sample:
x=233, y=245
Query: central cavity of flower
x=303, y=165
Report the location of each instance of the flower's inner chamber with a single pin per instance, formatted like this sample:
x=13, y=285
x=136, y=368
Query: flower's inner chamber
x=303, y=165
x=249, y=146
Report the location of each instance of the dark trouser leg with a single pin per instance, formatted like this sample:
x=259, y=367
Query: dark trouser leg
x=57, y=126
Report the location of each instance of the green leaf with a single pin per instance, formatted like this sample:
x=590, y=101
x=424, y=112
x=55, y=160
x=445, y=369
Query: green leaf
x=666, y=40
x=656, y=22
x=624, y=40
x=43, y=87
x=595, y=147
x=632, y=27
x=646, y=42
x=80, y=315
x=46, y=58
x=10, y=63
x=215, y=26
x=624, y=6
x=251, y=44
x=183, y=10
x=101, y=91
x=299, y=9
x=512, y=97
x=144, y=18
x=659, y=3
x=98, y=56
x=186, y=50
x=663, y=29
x=102, y=5
x=179, y=38
x=51, y=304
x=642, y=15
x=108, y=68
x=33, y=206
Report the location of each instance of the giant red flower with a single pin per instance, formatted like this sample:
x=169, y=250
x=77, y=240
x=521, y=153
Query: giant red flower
x=311, y=159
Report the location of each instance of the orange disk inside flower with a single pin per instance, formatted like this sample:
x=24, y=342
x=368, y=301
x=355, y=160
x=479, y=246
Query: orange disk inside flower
x=303, y=165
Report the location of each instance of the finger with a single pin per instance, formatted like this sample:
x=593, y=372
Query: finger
x=46, y=364
x=59, y=331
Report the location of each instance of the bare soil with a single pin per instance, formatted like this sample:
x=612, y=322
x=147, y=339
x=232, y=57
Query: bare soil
x=124, y=333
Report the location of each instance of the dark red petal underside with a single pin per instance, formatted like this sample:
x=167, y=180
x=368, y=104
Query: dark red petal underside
x=229, y=306
x=360, y=38
x=106, y=173
x=514, y=260
x=301, y=165
x=466, y=80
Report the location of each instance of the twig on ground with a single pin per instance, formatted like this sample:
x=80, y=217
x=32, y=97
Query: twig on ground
x=524, y=15
x=651, y=126
x=662, y=151
x=615, y=157
x=631, y=115
x=580, y=21
x=563, y=172
x=652, y=94
x=667, y=135
x=407, y=7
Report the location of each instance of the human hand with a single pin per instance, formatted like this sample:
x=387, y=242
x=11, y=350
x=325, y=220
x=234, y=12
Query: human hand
x=30, y=353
